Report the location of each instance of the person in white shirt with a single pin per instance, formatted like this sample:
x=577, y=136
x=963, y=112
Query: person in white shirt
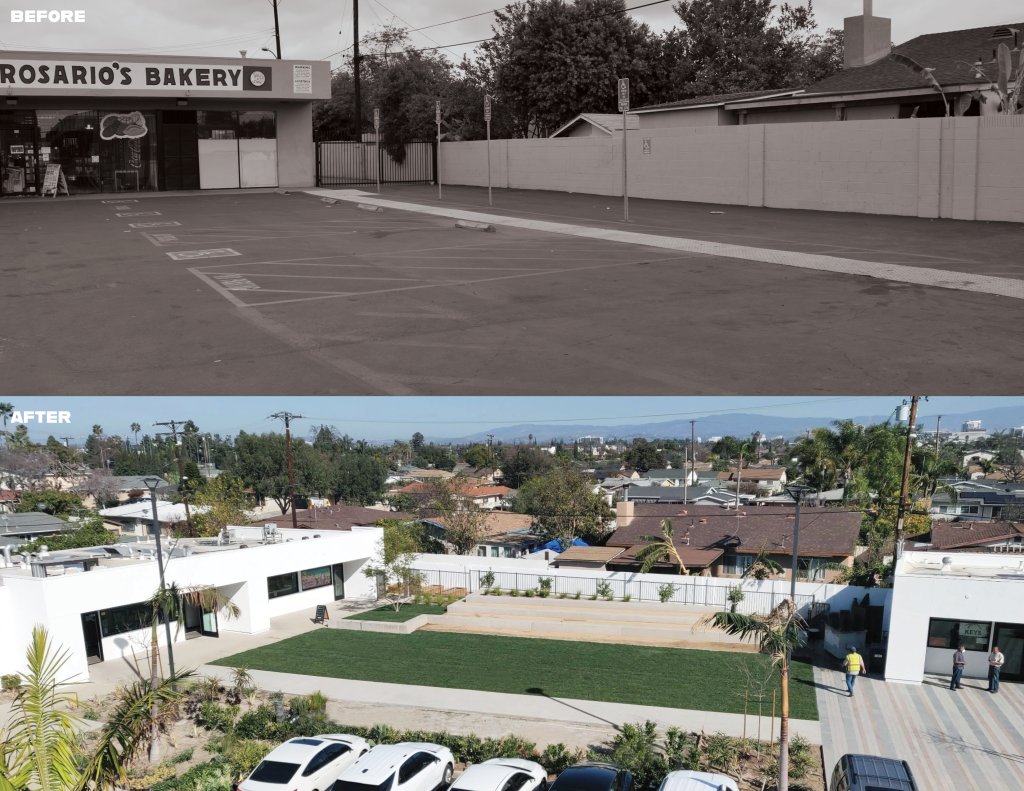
x=959, y=661
x=995, y=664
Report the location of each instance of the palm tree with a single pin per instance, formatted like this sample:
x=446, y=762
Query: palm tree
x=763, y=567
x=6, y=411
x=135, y=429
x=169, y=602
x=661, y=548
x=41, y=747
x=776, y=634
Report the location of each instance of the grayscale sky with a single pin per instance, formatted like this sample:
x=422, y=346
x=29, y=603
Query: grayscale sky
x=319, y=28
x=383, y=418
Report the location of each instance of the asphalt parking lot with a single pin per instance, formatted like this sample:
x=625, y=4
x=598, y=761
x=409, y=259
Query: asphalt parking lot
x=286, y=294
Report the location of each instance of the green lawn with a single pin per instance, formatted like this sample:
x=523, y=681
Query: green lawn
x=406, y=613
x=673, y=677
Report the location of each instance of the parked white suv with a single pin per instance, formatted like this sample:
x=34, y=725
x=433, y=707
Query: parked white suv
x=305, y=763
x=407, y=766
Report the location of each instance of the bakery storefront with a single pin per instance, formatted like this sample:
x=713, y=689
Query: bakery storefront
x=120, y=123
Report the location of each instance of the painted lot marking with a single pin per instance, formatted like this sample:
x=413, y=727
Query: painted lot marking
x=234, y=282
x=122, y=208
x=192, y=255
x=898, y=273
x=154, y=224
x=164, y=237
x=139, y=214
x=120, y=200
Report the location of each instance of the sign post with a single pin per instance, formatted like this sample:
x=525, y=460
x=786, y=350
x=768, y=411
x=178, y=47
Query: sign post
x=376, y=137
x=624, y=108
x=437, y=118
x=487, y=120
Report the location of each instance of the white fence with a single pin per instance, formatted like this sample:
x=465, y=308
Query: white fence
x=961, y=168
x=760, y=596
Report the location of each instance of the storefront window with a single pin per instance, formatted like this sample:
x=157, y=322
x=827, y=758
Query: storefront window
x=944, y=633
x=282, y=585
x=257, y=124
x=217, y=124
x=128, y=151
x=70, y=138
x=319, y=577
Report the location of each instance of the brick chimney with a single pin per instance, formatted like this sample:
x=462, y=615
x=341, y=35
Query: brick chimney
x=868, y=38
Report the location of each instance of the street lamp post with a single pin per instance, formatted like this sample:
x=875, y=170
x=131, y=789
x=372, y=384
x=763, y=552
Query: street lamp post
x=151, y=484
x=797, y=492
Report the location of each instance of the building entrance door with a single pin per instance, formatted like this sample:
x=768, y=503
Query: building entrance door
x=338, y=570
x=18, y=160
x=93, y=640
x=179, y=161
x=1010, y=639
x=199, y=623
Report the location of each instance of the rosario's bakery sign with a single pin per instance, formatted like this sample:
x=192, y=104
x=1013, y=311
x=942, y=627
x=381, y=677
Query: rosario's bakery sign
x=116, y=76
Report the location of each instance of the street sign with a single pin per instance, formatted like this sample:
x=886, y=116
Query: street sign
x=623, y=94
x=487, y=108
x=376, y=118
x=437, y=112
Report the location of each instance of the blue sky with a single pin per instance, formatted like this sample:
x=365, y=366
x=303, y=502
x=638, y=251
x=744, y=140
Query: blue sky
x=383, y=418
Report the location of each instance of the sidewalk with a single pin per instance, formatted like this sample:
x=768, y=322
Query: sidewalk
x=502, y=705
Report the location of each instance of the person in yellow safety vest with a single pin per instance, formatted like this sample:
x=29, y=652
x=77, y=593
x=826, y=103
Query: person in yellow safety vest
x=853, y=665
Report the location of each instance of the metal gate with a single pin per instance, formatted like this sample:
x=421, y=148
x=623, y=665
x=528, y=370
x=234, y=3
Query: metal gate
x=342, y=162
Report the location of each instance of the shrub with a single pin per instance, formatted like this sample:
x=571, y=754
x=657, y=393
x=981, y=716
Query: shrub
x=244, y=754
x=487, y=581
x=635, y=748
x=604, y=590
x=675, y=747
x=665, y=592
x=544, y=584
x=142, y=782
x=183, y=757
x=513, y=592
x=800, y=758
x=10, y=682
x=592, y=598
x=215, y=717
x=496, y=592
x=627, y=597
x=260, y=723
x=214, y=775
x=721, y=751
x=384, y=734
x=563, y=595
x=314, y=703
x=242, y=682
x=557, y=757
x=208, y=688
x=577, y=596
x=528, y=593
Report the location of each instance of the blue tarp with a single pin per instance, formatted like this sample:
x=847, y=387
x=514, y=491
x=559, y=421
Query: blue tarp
x=556, y=546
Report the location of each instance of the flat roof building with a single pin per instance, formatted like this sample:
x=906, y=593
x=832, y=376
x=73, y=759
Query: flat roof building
x=133, y=123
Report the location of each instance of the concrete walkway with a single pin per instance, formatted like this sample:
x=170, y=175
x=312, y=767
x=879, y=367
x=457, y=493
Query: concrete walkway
x=952, y=740
x=899, y=273
x=536, y=707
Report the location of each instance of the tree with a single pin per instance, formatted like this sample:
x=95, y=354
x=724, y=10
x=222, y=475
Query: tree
x=100, y=485
x=56, y=502
x=661, y=549
x=522, y=463
x=135, y=429
x=565, y=506
x=776, y=634
x=551, y=59
x=392, y=565
x=6, y=411
x=25, y=467
x=222, y=502
x=359, y=478
x=763, y=567
x=41, y=745
x=643, y=456
x=435, y=457
x=463, y=519
x=89, y=532
x=480, y=455
x=416, y=442
x=744, y=45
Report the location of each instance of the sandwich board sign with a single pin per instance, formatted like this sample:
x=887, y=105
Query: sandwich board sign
x=53, y=181
x=321, y=615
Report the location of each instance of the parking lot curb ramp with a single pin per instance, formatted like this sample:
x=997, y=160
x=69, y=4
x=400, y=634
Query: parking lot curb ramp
x=368, y=207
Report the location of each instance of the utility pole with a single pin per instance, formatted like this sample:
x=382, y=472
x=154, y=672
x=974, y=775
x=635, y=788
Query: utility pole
x=67, y=442
x=277, y=31
x=173, y=426
x=693, y=448
x=905, y=485
x=288, y=417
x=938, y=422
x=355, y=72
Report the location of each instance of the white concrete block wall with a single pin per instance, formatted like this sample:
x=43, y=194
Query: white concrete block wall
x=963, y=168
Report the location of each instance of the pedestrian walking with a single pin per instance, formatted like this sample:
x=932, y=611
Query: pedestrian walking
x=995, y=664
x=853, y=664
x=959, y=660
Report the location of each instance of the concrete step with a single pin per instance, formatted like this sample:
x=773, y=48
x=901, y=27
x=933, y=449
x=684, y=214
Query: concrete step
x=584, y=604
x=614, y=611
x=708, y=641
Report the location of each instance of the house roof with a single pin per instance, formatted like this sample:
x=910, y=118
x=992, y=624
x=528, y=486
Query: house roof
x=589, y=554
x=712, y=100
x=466, y=490
x=338, y=517
x=959, y=535
x=496, y=523
x=692, y=557
x=665, y=494
x=824, y=532
x=669, y=475
x=165, y=511
x=8, y=496
x=30, y=523
x=609, y=123
x=949, y=54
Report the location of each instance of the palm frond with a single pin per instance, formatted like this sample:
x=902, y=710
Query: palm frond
x=129, y=729
x=41, y=747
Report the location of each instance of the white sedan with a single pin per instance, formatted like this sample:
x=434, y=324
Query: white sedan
x=406, y=766
x=503, y=774
x=688, y=780
x=305, y=763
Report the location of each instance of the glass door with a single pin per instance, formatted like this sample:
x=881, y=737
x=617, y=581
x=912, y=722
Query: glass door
x=17, y=161
x=338, y=570
x=91, y=633
x=1010, y=639
x=209, y=627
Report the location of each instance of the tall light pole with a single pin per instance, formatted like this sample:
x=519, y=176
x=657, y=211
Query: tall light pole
x=277, y=32
x=901, y=509
x=151, y=484
x=797, y=492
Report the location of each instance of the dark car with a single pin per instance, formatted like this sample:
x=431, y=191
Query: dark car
x=593, y=777
x=871, y=773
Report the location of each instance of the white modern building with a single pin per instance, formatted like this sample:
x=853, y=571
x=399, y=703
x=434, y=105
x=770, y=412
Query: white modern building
x=941, y=600
x=91, y=601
